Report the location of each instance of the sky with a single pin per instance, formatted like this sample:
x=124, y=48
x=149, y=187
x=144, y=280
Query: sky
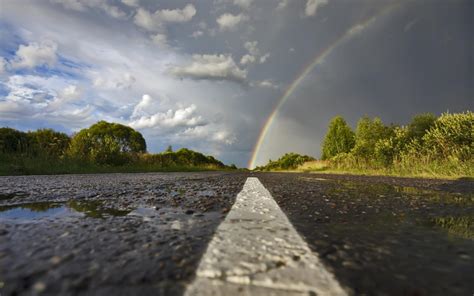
x=243, y=80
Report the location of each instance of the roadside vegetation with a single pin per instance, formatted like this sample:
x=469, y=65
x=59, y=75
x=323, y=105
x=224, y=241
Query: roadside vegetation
x=289, y=161
x=104, y=147
x=429, y=146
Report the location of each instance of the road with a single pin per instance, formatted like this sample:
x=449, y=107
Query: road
x=140, y=234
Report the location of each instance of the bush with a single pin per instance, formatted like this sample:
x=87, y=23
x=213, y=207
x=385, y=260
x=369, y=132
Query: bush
x=286, y=162
x=452, y=136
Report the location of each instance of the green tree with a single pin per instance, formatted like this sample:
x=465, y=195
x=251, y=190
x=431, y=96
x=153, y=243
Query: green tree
x=169, y=149
x=339, y=139
x=13, y=141
x=368, y=133
x=420, y=124
x=49, y=143
x=107, y=143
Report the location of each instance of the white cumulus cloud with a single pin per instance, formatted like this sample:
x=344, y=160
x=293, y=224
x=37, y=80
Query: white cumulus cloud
x=35, y=54
x=313, y=5
x=83, y=5
x=183, y=117
x=254, y=54
x=155, y=21
x=245, y=4
x=211, y=67
x=229, y=22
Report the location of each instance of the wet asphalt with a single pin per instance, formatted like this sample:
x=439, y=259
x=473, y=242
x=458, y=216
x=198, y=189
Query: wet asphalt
x=116, y=234
x=382, y=235
x=141, y=234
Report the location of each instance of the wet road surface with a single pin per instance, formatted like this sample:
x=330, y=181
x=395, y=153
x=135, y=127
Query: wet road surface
x=384, y=239
x=117, y=234
x=141, y=234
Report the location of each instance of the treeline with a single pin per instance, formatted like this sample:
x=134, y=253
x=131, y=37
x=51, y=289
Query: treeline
x=427, y=146
x=441, y=145
x=289, y=161
x=103, y=147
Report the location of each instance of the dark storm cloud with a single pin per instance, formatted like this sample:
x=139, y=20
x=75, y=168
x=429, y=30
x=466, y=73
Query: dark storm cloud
x=417, y=59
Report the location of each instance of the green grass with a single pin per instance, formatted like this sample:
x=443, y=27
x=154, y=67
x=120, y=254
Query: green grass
x=437, y=170
x=37, y=166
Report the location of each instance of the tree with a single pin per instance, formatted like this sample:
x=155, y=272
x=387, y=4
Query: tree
x=49, y=143
x=420, y=124
x=13, y=141
x=339, y=139
x=169, y=149
x=107, y=143
x=368, y=133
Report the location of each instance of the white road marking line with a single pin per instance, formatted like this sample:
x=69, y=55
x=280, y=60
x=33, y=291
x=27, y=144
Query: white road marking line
x=256, y=251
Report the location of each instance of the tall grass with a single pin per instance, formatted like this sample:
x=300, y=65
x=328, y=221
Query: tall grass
x=23, y=165
x=449, y=169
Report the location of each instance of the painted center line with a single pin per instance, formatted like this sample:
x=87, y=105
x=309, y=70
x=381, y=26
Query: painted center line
x=256, y=251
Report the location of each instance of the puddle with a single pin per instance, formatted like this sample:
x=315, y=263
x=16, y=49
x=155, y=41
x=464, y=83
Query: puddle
x=7, y=196
x=95, y=209
x=461, y=226
x=41, y=210
x=33, y=211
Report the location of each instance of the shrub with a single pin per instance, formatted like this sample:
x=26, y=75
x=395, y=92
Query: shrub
x=451, y=136
x=286, y=162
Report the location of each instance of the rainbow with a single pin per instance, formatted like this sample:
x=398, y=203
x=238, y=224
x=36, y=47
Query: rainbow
x=318, y=59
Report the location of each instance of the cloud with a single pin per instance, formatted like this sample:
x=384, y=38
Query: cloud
x=35, y=54
x=176, y=15
x=183, y=117
x=245, y=4
x=84, y=5
x=247, y=59
x=267, y=84
x=264, y=58
x=313, y=5
x=155, y=21
x=110, y=79
x=160, y=39
x=141, y=108
x=282, y=5
x=146, y=20
x=51, y=99
x=3, y=65
x=253, y=55
x=211, y=67
x=252, y=47
x=69, y=94
x=210, y=133
x=197, y=34
x=229, y=22
x=132, y=3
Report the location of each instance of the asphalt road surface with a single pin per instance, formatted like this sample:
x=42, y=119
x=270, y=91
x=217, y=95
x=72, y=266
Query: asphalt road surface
x=150, y=234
